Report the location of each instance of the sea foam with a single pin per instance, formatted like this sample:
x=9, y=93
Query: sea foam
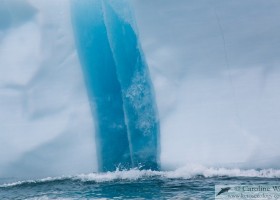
x=186, y=172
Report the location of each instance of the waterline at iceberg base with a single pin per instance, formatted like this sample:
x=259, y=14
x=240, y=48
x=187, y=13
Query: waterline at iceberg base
x=137, y=99
x=190, y=182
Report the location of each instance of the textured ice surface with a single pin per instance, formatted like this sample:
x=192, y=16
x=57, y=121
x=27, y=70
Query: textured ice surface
x=205, y=117
x=216, y=70
x=45, y=120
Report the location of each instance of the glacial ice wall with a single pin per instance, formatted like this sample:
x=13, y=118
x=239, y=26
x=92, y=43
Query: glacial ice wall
x=45, y=120
x=214, y=65
x=216, y=70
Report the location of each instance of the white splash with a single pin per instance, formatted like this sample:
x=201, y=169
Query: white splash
x=187, y=172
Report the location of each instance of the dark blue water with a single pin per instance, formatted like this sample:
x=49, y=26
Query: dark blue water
x=135, y=184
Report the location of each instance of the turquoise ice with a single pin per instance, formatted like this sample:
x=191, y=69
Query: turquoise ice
x=118, y=83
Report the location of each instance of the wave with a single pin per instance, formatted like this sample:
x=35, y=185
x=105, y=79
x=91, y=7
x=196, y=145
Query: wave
x=187, y=172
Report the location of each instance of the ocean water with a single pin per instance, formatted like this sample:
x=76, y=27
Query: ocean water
x=184, y=183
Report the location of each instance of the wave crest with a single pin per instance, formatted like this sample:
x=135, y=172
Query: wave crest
x=186, y=172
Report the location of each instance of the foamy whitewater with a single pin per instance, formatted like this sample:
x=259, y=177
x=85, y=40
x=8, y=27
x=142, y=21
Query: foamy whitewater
x=189, y=182
x=188, y=172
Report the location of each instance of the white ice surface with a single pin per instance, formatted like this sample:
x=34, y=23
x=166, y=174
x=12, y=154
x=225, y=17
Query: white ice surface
x=214, y=65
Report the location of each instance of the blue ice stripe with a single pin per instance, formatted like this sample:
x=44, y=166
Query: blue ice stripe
x=119, y=87
x=137, y=90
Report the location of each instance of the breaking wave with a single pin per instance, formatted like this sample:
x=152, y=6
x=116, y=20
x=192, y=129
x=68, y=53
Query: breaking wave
x=187, y=172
